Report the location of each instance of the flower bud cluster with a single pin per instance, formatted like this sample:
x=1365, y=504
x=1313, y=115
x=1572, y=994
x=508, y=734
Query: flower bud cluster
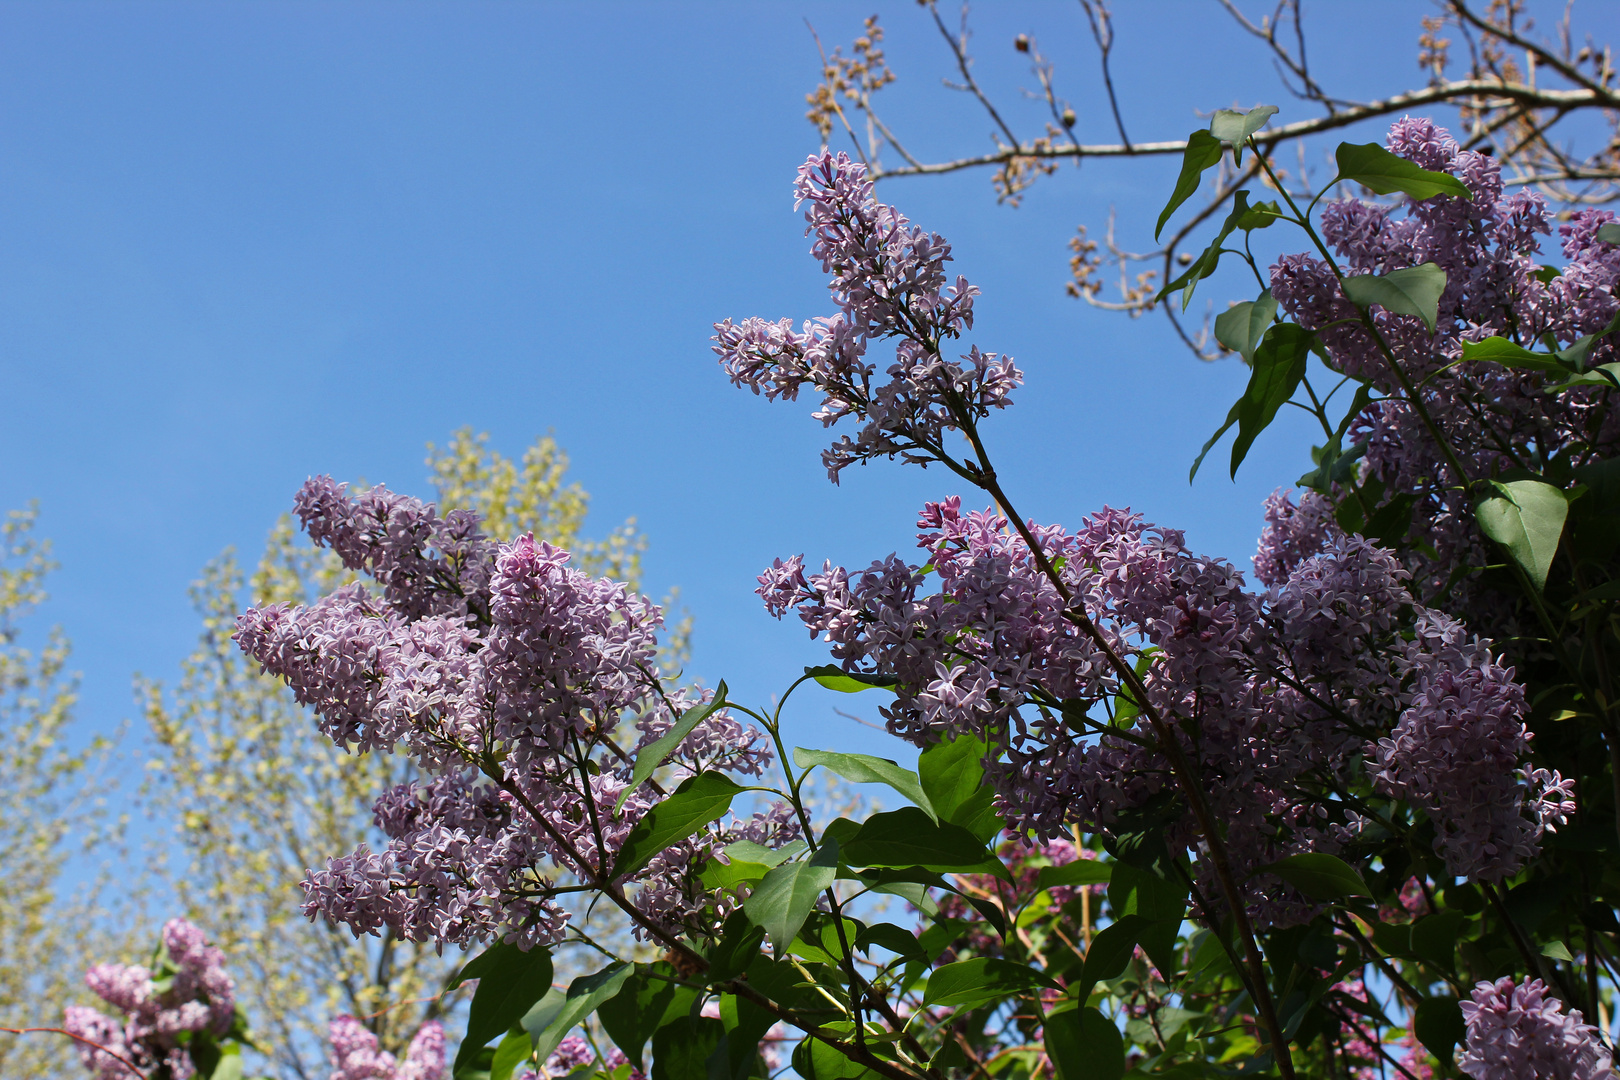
x=356, y=1055
x=888, y=281
x=506, y=675
x=187, y=993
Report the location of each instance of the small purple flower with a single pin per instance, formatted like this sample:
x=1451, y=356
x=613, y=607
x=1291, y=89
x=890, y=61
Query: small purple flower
x=1517, y=1031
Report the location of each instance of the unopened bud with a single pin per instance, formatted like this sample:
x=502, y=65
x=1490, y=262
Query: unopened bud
x=1183, y=259
x=1021, y=43
x=1068, y=118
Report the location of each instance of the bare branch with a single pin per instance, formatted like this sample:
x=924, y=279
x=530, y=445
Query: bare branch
x=1102, y=31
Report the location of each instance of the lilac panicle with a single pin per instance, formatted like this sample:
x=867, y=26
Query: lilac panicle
x=1519, y=1031
x=476, y=653
x=355, y=1054
x=888, y=280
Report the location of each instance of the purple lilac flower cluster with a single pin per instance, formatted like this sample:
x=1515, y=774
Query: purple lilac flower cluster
x=1495, y=417
x=356, y=1056
x=1518, y=1030
x=506, y=675
x=888, y=281
x=188, y=993
x=1269, y=687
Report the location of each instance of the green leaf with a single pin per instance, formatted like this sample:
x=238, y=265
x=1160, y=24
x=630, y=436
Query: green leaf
x=643, y=1005
x=970, y=983
x=681, y=1048
x=785, y=898
x=896, y=939
x=849, y=682
x=738, y=945
x=654, y=753
x=1604, y=375
x=1527, y=518
x=1499, y=350
x=585, y=995
x=815, y=1060
x=952, y=776
x=746, y=1024
x=1135, y=891
x=1609, y=232
x=1231, y=418
x=907, y=837
x=719, y=875
x=513, y=1051
x=1415, y=290
x=1234, y=128
x=1112, y=948
x=1374, y=167
x=699, y=800
x=1438, y=1025
x=866, y=769
x=1084, y=1045
x=1318, y=875
x=1574, y=356
x=1241, y=327
x=510, y=981
x=1210, y=258
x=748, y=851
x=1203, y=150
x=1434, y=938
x=1079, y=872
x=1279, y=365
x=1261, y=216
x=1557, y=950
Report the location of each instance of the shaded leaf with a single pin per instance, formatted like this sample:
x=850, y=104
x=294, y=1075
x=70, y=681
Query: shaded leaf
x=1527, y=518
x=1438, y=1025
x=699, y=800
x=1609, y=232
x=739, y=943
x=1279, y=365
x=908, y=837
x=1112, y=948
x=654, y=753
x=1499, y=350
x=970, y=983
x=1203, y=150
x=585, y=995
x=1374, y=167
x=512, y=1051
x=681, y=1048
x=866, y=769
x=510, y=981
x=1413, y=291
x=1079, y=872
x=1084, y=1045
x=1319, y=875
x=952, y=776
x=642, y=1006
x=1210, y=258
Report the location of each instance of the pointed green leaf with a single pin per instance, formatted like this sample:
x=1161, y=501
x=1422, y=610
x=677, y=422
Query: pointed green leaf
x=1319, y=875
x=1527, y=518
x=682, y=1047
x=1604, y=375
x=654, y=753
x=643, y=1005
x=513, y=1051
x=788, y=893
x=1079, y=872
x=1438, y=1025
x=1205, y=264
x=1112, y=948
x=1609, y=232
x=1372, y=166
x=1083, y=1044
x=699, y=800
x=1243, y=326
x=510, y=981
x=1234, y=128
x=1279, y=365
x=1499, y=350
x=739, y=943
x=1413, y=291
x=1261, y=216
x=1203, y=150
x=849, y=682
x=952, y=776
x=1231, y=418
x=906, y=837
x=866, y=769
x=585, y=995
x=969, y=983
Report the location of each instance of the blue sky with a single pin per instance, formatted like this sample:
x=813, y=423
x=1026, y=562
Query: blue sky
x=244, y=243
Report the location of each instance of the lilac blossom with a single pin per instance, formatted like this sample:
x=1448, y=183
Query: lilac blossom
x=355, y=1054
x=508, y=676
x=1518, y=1030
x=888, y=281
x=190, y=996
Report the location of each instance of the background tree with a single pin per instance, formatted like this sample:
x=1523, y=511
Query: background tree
x=1546, y=106
x=48, y=814
x=257, y=800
